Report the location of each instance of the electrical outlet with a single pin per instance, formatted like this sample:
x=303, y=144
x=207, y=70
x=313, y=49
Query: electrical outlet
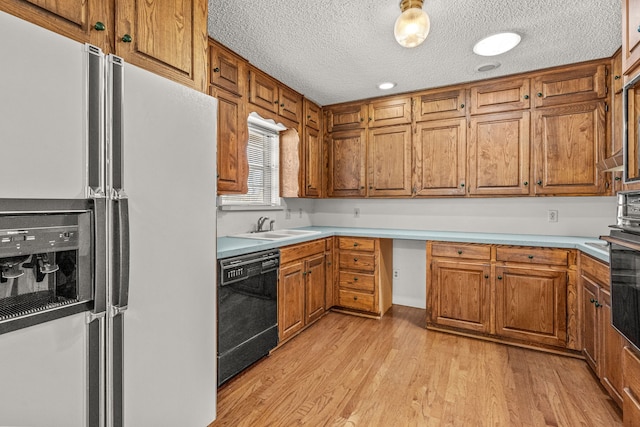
x=356, y=212
x=396, y=273
x=300, y=213
x=552, y=215
x=287, y=214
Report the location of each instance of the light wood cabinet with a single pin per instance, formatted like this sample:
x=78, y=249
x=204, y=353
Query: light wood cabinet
x=389, y=112
x=440, y=157
x=602, y=345
x=301, y=287
x=312, y=152
x=330, y=273
x=568, y=142
x=389, y=161
x=499, y=154
x=227, y=70
x=364, y=275
x=271, y=95
x=630, y=34
x=347, y=152
x=570, y=85
x=346, y=117
x=440, y=104
x=232, y=164
x=501, y=95
x=631, y=387
x=167, y=38
x=513, y=294
x=312, y=115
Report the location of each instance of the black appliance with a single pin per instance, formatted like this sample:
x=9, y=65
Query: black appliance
x=624, y=262
x=247, y=310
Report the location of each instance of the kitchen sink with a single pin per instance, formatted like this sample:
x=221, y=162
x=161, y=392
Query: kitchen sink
x=277, y=234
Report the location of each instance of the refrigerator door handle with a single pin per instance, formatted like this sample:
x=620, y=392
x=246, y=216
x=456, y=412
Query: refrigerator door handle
x=96, y=174
x=100, y=254
x=116, y=117
x=120, y=291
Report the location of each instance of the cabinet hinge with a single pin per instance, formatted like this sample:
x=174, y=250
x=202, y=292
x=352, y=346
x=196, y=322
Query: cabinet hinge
x=606, y=107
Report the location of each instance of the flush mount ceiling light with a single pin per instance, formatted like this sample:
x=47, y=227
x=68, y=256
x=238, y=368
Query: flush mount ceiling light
x=386, y=85
x=496, y=44
x=412, y=26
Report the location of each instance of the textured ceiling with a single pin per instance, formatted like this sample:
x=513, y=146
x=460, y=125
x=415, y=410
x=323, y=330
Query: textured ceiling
x=334, y=51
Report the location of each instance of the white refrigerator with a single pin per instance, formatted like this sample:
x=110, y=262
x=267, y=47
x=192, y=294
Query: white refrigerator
x=61, y=126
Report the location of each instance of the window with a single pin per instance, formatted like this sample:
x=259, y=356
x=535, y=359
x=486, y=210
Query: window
x=264, y=176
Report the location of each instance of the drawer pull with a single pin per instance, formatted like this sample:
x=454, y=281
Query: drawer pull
x=355, y=244
x=530, y=256
x=355, y=279
x=592, y=300
x=459, y=252
x=355, y=260
x=499, y=277
x=597, y=304
x=355, y=298
x=304, y=273
x=486, y=276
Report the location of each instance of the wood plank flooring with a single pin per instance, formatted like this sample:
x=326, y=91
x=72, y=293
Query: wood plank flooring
x=351, y=371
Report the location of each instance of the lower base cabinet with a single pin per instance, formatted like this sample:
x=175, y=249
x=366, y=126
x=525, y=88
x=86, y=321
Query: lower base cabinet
x=631, y=389
x=301, y=287
x=523, y=295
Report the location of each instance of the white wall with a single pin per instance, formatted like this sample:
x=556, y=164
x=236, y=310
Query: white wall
x=295, y=213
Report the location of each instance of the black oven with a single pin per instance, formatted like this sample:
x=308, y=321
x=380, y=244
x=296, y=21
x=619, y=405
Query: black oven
x=247, y=310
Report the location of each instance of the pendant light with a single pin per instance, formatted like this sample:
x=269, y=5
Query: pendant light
x=412, y=26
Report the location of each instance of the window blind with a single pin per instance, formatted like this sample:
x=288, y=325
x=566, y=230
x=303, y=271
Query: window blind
x=264, y=172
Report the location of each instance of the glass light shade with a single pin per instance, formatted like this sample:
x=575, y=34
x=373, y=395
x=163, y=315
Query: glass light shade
x=412, y=27
x=496, y=44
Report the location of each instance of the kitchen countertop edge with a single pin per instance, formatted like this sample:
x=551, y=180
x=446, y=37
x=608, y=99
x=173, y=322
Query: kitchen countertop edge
x=229, y=246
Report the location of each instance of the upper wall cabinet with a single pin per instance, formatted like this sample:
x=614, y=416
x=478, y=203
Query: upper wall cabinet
x=269, y=94
x=498, y=96
x=164, y=37
x=630, y=34
x=347, y=116
x=89, y=21
x=226, y=69
x=439, y=104
x=390, y=111
x=571, y=85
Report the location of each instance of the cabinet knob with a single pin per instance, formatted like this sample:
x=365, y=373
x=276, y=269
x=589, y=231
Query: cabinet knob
x=461, y=105
x=355, y=279
x=592, y=300
x=539, y=94
x=597, y=304
x=486, y=276
x=304, y=273
x=459, y=252
x=355, y=260
x=355, y=298
x=309, y=272
x=370, y=118
x=525, y=183
x=282, y=105
x=371, y=187
x=462, y=185
x=355, y=244
x=362, y=187
x=276, y=101
x=617, y=178
x=362, y=119
x=126, y=38
x=99, y=26
x=539, y=182
x=328, y=262
x=216, y=70
x=616, y=77
x=308, y=116
x=526, y=97
x=530, y=256
x=499, y=277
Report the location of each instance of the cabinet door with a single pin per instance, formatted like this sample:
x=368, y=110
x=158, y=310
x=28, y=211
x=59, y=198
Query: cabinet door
x=77, y=20
x=263, y=90
x=233, y=167
x=291, y=290
x=389, y=161
x=459, y=295
x=612, y=345
x=617, y=82
x=347, y=163
x=499, y=153
x=312, y=152
x=631, y=389
x=590, y=324
x=531, y=305
x=439, y=104
x=347, y=116
x=330, y=271
x=389, y=112
x=315, y=287
x=289, y=104
x=568, y=142
x=630, y=34
x=165, y=37
x=226, y=69
x=574, y=84
x=440, y=150
x=312, y=115
x=503, y=95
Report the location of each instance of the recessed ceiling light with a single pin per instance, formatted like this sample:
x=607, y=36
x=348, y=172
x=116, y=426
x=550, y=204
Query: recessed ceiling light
x=488, y=66
x=496, y=44
x=386, y=85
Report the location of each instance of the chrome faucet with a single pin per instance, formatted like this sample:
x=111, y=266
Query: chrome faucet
x=261, y=222
x=273, y=221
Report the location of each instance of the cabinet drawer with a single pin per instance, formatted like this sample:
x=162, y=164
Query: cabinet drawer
x=595, y=269
x=363, y=282
x=531, y=255
x=357, y=244
x=357, y=261
x=293, y=252
x=461, y=250
x=356, y=300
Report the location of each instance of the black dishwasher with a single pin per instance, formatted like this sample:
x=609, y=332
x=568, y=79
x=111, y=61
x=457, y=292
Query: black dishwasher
x=247, y=310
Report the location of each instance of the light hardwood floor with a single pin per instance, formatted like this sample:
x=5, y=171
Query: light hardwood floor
x=352, y=371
